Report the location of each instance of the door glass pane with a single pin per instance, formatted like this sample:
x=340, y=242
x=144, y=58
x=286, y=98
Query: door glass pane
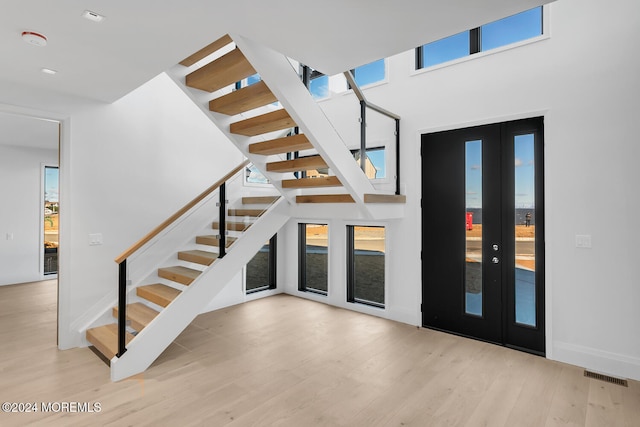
x=525, y=232
x=473, y=225
x=50, y=220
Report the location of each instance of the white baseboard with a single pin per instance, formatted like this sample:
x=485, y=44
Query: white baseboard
x=614, y=364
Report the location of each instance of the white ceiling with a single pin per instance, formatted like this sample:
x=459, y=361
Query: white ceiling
x=141, y=38
x=101, y=62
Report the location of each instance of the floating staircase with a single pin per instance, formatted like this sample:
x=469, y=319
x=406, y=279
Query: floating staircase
x=153, y=300
x=250, y=120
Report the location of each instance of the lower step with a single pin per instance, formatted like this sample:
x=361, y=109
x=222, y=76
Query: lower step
x=158, y=293
x=105, y=339
x=235, y=226
x=139, y=314
x=214, y=240
x=179, y=274
x=325, y=198
x=198, y=257
x=259, y=200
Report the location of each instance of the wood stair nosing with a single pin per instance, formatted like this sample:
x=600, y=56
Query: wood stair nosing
x=259, y=200
x=325, y=198
x=222, y=72
x=264, y=123
x=286, y=144
x=245, y=212
x=158, y=293
x=179, y=274
x=232, y=226
x=198, y=256
x=206, y=51
x=299, y=164
x=241, y=100
x=139, y=314
x=214, y=240
x=385, y=198
x=322, y=181
x=105, y=339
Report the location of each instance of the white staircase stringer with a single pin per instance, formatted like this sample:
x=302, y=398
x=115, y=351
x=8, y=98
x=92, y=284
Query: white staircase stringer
x=171, y=321
x=201, y=99
x=277, y=72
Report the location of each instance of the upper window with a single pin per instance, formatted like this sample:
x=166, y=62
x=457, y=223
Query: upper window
x=370, y=73
x=522, y=26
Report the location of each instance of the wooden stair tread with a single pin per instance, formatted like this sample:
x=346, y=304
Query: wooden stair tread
x=206, y=51
x=158, y=293
x=245, y=99
x=231, y=225
x=321, y=181
x=246, y=212
x=214, y=240
x=139, y=314
x=325, y=198
x=259, y=200
x=385, y=198
x=198, y=256
x=222, y=72
x=264, y=123
x=299, y=164
x=105, y=339
x=286, y=144
x=179, y=274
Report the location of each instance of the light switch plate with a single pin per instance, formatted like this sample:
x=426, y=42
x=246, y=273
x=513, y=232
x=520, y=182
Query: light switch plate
x=583, y=241
x=95, y=239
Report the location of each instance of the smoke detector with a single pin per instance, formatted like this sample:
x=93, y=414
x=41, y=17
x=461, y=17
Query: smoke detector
x=35, y=39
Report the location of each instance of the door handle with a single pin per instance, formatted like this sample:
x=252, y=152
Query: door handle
x=495, y=260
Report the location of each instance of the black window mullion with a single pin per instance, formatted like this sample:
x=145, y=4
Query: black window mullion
x=351, y=265
x=474, y=40
x=302, y=257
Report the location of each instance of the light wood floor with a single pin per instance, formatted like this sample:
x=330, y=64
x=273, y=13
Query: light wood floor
x=291, y=362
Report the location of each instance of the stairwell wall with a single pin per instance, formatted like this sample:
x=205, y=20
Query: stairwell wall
x=131, y=165
x=583, y=79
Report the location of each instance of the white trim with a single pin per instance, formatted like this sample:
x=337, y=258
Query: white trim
x=605, y=362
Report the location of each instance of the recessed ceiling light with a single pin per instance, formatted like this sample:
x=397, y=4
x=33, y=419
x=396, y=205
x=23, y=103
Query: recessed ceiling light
x=92, y=16
x=48, y=71
x=34, y=38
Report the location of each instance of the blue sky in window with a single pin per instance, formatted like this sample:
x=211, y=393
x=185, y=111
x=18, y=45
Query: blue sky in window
x=473, y=174
x=524, y=171
x=370, y=73
x=51, y=184
x=447, y=49
x=319, y=87
x=377, y=158
x=512, y=29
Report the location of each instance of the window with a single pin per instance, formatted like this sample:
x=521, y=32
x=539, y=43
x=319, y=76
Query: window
x=365, y=265
x=375, y=167
x=370, y=73
x=261, y=270
x=50, y=220
x=522, y=26
x=313, y=258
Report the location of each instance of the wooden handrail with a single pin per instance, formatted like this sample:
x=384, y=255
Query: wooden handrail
x=153, y=233
x=360, y=95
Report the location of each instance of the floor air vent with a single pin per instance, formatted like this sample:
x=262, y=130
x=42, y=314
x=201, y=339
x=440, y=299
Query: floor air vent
x=607, y=378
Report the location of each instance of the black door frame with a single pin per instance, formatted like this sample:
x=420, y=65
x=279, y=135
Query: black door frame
x=511, y=334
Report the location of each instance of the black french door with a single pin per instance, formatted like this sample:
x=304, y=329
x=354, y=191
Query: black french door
x=482, y=233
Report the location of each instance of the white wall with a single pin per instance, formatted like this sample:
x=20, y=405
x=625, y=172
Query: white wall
x=21, y=183
x=128, y=166
x=584, y=80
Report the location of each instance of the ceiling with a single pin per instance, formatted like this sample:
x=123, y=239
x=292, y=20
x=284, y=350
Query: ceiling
x=139, y=39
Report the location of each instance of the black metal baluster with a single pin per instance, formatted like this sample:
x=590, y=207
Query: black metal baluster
x=122, y=308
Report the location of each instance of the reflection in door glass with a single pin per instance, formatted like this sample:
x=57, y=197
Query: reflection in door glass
x=473, y=225
x=525, y=221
